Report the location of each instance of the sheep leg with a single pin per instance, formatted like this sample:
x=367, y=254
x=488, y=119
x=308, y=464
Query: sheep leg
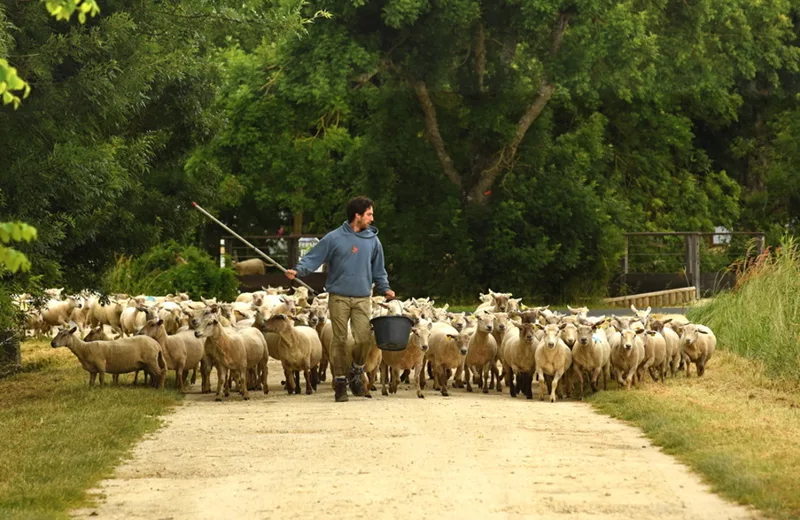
x=384, y=377
x=496, y=376
x=701, y=365
x=115, y=379
x=418, y=371
x=485, y=375
x=102, y=377
x=579, y=374
x=595, y=378
x=542, y=384
x=243, y=384
x=467, y=377
x=396, y=378
x=405, y=376
x=92, y=377
x=429, y=366
x=287, y=373
x=307, y=377
x=527, y=388
x=222, y=375
x=314, y=378
x=509, y=373
x=443, y=381
x=179, y=376
x=296, y=374
x=556, y=377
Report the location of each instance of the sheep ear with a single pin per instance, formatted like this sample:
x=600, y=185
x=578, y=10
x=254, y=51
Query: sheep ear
x=648, y=310
x=633, y=308
x=561, y=326
x=73, y=329
x=651, y=332
x=160, y=321
x=701, y=331
x=451, y=336
x=666, y=321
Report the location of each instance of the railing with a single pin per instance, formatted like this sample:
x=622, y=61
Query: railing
x=691, y=262
x=669, y=298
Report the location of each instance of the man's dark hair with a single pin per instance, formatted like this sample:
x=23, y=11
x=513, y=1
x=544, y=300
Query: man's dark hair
x=358, y=206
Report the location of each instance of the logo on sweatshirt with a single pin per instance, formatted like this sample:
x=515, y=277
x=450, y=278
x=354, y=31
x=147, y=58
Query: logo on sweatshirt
x=354, y=250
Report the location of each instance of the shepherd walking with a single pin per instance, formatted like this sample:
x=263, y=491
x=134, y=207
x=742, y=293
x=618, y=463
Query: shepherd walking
x=354, y=255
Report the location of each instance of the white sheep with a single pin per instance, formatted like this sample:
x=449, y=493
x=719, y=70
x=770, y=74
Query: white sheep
x=301, y=349
x=553, y=358
x=119, y=356
x=698, y=344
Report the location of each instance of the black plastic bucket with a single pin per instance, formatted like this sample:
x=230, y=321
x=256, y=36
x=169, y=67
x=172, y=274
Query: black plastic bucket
x=392, y=332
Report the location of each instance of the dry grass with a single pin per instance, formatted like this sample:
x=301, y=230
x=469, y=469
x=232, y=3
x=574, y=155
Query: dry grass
x=735, y=427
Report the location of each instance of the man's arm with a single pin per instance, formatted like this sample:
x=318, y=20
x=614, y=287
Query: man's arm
x=312, y=260
x=379, y=275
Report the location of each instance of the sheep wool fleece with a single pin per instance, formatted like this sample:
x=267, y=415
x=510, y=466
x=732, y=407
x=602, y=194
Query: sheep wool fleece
x=358, y=311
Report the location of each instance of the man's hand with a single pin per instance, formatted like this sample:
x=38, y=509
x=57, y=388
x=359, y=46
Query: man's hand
x=291, y=274
x=389, y=295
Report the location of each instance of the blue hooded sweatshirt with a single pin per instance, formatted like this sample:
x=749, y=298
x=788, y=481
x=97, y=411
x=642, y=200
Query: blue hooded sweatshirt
x=354, y=260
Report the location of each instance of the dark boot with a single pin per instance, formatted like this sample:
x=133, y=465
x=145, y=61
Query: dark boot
x=340, y=390
x=354, y=376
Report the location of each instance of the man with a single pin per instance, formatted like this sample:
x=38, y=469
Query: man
x=355, y=260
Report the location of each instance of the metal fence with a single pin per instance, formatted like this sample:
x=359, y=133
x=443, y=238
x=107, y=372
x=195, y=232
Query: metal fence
x=284, y=249
x=654, y=261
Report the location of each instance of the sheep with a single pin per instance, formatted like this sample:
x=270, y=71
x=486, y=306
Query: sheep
x=182, y=351
x=591, y=354
x=643, y=316
x=119, y=356
x=517, y=352
x=301, y=349
x=249, y=267
x=553, y=358
x=672, y=340
x=481, y=353
x=655, y=355
x=698, y=344
x=626, y=355
x=57, y=312
x=109, y=314
x=236, y=350
x=132, y=319
x=447, y=351
x=412, y=357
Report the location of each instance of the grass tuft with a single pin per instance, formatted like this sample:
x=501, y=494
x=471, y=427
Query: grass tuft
x=760, y=318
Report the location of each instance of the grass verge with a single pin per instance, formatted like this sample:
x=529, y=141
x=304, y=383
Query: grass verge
x=60, y=438
x=735, y=427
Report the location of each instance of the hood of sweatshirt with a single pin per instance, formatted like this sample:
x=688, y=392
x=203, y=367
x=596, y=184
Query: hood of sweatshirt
x=370, y=232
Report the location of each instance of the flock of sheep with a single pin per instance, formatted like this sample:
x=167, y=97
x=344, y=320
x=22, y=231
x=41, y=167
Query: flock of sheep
x=501, y=343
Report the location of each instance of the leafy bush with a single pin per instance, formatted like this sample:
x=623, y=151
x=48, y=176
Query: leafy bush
x=760, y=317
x=172, y=268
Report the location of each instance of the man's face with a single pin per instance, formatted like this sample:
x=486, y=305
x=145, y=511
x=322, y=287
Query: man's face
x=365, y=220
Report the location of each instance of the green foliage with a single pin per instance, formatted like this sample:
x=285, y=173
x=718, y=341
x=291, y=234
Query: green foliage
x=9, y=82
x=10, y=259
x=169, y=269
x=759, y=318
x=64, y=9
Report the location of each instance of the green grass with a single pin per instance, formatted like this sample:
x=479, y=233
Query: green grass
x=760, y=318
x=735, y=427
x=60, y=438
x=738, y=426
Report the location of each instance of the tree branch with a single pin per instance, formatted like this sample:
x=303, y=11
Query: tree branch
x=505, y=158
x=480, y=57
x=432, y=132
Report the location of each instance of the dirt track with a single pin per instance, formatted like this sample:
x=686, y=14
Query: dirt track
x=466, y=456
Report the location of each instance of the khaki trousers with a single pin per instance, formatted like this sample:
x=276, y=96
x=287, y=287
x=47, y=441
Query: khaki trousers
x=358, y=312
